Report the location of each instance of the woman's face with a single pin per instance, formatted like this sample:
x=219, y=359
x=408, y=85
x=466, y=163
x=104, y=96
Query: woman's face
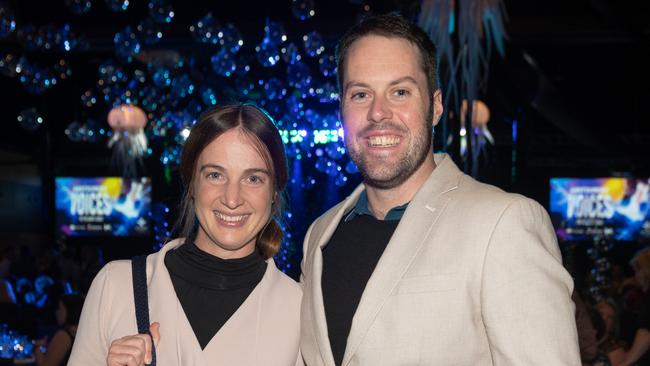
x=233, y=193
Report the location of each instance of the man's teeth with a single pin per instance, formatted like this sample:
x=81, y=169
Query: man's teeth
x=230, y=218
x=383, y=141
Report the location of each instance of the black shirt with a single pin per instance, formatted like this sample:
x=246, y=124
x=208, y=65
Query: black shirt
x=349, y=259
x=211, y=289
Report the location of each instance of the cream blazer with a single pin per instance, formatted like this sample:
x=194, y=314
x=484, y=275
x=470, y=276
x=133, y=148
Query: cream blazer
x=472, y=276
x=264, y=330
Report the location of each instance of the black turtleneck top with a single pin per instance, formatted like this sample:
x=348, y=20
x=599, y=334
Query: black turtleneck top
x=211, y=289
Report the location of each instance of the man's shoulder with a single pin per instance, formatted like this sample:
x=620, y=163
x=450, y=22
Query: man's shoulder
x=479, y=194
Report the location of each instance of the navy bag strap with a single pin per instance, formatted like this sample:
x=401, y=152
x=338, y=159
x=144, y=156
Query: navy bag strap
x=139, y=272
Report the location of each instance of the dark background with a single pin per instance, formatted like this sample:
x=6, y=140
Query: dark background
x=581, y=111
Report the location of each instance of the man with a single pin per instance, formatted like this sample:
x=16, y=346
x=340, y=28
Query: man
x=422, y=265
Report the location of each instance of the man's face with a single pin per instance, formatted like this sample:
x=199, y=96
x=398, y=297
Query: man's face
x=386, y=110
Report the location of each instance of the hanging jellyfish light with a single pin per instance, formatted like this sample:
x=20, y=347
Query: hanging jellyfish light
x=128, y=140
x=466, y=33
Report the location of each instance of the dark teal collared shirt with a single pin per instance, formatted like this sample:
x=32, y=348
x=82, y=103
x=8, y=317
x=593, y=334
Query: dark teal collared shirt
x=361, y=208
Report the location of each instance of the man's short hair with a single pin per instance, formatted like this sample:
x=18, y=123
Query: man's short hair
x=390, y=26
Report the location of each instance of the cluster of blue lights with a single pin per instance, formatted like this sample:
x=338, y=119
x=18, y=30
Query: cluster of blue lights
x=314, y=137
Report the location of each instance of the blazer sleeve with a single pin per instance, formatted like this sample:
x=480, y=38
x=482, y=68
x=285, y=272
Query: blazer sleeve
x=90, y=345
x=526, y=292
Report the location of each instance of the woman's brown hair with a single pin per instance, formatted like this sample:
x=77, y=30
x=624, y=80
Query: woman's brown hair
x=259, y=127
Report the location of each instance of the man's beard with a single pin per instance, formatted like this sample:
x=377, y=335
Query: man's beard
x=406, y=166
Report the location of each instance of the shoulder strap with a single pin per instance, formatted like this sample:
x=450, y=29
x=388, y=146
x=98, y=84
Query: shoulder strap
x=139, y=272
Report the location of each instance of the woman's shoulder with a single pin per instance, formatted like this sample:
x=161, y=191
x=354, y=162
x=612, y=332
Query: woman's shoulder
x=283, y=283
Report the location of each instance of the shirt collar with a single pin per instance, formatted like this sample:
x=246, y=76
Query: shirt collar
x=361, y=208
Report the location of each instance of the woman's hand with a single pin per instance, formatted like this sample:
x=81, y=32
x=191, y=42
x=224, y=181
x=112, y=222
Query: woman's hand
x=133, y=350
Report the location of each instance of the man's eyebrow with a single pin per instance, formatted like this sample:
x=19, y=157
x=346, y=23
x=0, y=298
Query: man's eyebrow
x=409, y=79
x=355, y=83
x=403, y=79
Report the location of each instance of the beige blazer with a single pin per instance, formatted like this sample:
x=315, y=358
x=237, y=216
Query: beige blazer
x=264, y=331
x=472, y=276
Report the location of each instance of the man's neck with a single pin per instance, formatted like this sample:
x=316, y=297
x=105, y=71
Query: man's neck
x=380, y=201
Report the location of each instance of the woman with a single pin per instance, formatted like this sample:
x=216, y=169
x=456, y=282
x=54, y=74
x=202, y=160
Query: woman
x=58, y=349
x=215, y=295
x=639, y=351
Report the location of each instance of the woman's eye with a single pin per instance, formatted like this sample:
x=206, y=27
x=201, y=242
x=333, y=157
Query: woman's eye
x=254, y=179
x=214, y=176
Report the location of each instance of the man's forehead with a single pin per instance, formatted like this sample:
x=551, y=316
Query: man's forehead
x=380, y=51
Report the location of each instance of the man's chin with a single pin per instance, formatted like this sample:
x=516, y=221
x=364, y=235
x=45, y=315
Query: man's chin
x=385, y=181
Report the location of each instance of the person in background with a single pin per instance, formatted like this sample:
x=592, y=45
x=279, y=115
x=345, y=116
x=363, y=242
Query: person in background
x=639, y=351
x=59, y=347
x=215, y=294
x=609, y=343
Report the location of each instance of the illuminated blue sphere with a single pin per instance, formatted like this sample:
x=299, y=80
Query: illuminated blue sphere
x=267, y=54
x=29, y=119
x=28, y=37
x=161, y=11
x=149, y=31
x=48, y=37
x=327, y=93
x=79, y=7
x=298, y=75
x=274, y=33
x=109, y=74
x=327, y=65
x=171, y=156
x=313, y=43
x=351, y=167
x=161, y=78
x=341, y=180
x=8, y=65
x=88, y=98
x=223, y=63
x=208, y=96
x=335, y=152
x=244, y=86
x=182, y=86
x=230, y=38
x=117, y=5
x=73, y=133
x=149, y=99
x=126, y=45
x=7, y=20
x=66, y=41
x=62, y=69
x=321, y=164
x=274, y=89
x=92, y=131
x=206, y=30
x=35, y=80
x=290, y=53
x=303, y=9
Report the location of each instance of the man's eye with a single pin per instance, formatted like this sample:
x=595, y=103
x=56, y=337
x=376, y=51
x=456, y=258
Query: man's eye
x=214, y=175
x=402, y=92
x=359, y=95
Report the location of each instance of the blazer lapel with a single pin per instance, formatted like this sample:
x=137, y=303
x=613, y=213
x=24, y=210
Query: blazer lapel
x=321, y=237
x=406, y=242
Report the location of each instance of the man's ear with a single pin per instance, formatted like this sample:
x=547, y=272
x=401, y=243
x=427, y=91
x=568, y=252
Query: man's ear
x=438, y=109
